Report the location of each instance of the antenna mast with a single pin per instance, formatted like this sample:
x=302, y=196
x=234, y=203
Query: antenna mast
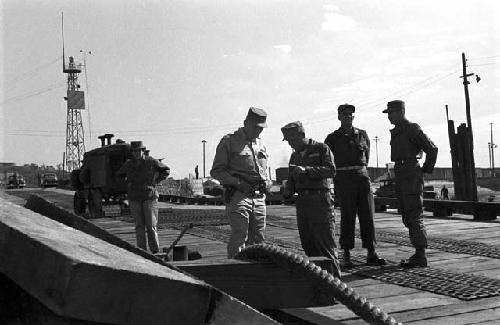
x=75, y=143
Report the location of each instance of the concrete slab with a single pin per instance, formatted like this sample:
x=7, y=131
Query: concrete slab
x=79, y=276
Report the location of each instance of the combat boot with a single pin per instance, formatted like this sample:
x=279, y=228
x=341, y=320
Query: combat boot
x=373, y=259
x=418, y=259
x=347, y=259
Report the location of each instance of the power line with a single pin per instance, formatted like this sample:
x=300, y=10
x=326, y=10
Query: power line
x=33, y=93
x=30, y=73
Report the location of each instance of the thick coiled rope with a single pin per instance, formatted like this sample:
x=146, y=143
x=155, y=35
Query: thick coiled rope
x=334, y=286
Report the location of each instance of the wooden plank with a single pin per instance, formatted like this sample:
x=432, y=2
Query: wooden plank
x=457, y=309
x=261, y=285
x=79, y=276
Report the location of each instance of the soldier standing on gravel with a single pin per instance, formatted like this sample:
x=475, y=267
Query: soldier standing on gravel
x=351, y=150
x=407, y=143
x=310, y=168
x=240, y=165
x=142, y=174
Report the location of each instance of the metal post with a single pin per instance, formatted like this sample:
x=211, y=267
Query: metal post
x=87, y=90
x=376, y=148
x=203, y=141
x=493, y=146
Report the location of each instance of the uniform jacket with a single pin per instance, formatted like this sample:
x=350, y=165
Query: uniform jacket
x=349, y=150
x=140, y=177
x=408, y=141
x=318, y=162
x=238, y=158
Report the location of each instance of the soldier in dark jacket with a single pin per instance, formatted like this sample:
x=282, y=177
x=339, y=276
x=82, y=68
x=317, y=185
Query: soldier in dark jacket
x=351, y=150
x=408, y=141
x=311, y=169
x=142, y=174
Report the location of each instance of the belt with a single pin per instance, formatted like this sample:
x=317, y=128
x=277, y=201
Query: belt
x=406, y=161
x=313, y=191
x=351, y=168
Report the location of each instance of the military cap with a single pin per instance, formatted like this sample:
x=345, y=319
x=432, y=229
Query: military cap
x=257, y=116
x=292, y=128
x=137, y=145
x=346, y=106
x=394, y=106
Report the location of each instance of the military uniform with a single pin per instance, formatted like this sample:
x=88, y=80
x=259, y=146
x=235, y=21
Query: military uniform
x=352, y=185
x=238, y=159
x=407, y=143
x=142, y=175
x=314, y=204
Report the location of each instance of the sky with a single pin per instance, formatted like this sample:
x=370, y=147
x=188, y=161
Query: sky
x=175, y=73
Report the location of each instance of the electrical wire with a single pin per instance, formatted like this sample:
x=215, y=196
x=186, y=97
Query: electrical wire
x=33, y=93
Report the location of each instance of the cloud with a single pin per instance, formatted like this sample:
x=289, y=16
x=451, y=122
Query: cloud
x=338, y=23
x=285, y=48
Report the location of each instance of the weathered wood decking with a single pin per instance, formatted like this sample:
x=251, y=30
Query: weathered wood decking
x=407, y=305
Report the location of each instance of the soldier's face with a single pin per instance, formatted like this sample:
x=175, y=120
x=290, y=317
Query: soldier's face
x=346, y=117
x=137, y=154
x=395, y=117
x=296, y=141
x=253, y=131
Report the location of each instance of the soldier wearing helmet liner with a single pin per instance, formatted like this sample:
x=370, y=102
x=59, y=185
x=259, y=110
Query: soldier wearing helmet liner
x=407, y=143
x=142, y=174
x=351, y=150
x=310, y=170
x=240, y=164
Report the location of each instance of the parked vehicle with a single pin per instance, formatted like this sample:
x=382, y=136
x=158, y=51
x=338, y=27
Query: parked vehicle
x=96, y=182
x=48, y=180
x=15, y=180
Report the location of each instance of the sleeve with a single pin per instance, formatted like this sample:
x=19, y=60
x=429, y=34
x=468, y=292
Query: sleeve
x=425, y=143
x=329, y=141
x=162, y=169
x=327, y=169
x=368, y=145
x=290, y=184
x=220, y=166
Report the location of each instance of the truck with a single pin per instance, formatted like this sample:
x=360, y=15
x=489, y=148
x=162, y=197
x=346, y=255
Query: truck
x=15, y=180
x=96, y=182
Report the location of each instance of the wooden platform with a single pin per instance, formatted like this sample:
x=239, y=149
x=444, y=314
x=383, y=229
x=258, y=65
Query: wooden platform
x=407, y=305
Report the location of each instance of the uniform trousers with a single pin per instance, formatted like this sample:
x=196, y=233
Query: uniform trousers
x=145, y=214
x=409, y=189
x=316, y=224
x=247, y=217
x=356, y=198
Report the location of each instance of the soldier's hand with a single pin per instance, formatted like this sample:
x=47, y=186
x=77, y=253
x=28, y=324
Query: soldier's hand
x=298, y=170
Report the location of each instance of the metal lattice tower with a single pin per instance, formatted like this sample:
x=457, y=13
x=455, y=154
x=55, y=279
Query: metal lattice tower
x=75, y=143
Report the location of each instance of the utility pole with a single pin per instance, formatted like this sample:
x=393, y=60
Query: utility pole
x=466, y=90
x=87, y=88
x=376, y=148
x=469, y=145
x=492, y=146
x=203, y=141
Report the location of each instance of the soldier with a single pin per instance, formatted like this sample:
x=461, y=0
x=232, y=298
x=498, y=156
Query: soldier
x=351, y=150
x=407, y=143
x=310, y=170
x=240, y=164
x=142, y=174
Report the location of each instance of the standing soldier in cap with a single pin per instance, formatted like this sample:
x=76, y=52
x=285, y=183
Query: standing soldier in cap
x=142, y=174
x=351, y=151
x=310, y=168
x=407, y=143
x=240, y=164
